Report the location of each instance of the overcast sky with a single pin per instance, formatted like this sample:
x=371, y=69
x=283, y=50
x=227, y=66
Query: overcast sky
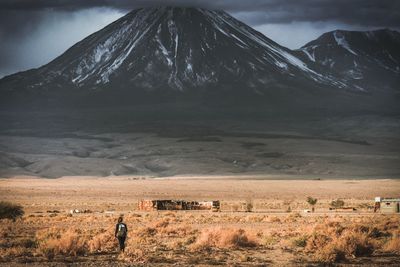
x=33, y=32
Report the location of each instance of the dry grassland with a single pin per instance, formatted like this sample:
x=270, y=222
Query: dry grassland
x=276, y=233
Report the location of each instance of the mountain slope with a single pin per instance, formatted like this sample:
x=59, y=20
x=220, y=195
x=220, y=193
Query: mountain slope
x=369, y=60
x=164, y=52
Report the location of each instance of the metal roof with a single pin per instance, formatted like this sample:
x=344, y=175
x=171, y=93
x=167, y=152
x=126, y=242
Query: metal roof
x=390, y=200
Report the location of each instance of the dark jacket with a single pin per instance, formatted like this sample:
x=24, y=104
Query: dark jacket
x=117, y=227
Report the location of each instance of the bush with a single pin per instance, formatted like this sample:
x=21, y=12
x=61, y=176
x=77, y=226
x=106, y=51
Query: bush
x=103, y=242
x=249, y=205
x=28, y=242
x=9, y=210
x=329, y=254
x=333, y=243
x=224, y=238
x=393, y=245
x=292, y=217
x=274, y=219
x=312, y=201
x=337, y=204
x=300, y=241
x=355, y=244
x=69, y=243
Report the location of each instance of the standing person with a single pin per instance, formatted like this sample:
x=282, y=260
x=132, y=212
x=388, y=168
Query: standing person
x=121, y=231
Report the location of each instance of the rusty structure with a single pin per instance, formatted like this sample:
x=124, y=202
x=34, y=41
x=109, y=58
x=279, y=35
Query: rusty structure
x=152, y=205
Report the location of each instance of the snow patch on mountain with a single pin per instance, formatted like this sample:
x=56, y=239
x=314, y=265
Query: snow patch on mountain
x=102, y=61
x=341, y=41
x=370, y=35
x=311, y=55
x=128, y=49
x=162, y=47
x=275, y=51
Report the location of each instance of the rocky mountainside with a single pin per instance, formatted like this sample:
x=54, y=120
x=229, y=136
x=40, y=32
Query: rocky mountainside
x=166, y=54
x=369, y=60
x=168, y=51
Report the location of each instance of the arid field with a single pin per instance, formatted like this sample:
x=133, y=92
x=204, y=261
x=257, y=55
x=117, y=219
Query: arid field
x=262, y=222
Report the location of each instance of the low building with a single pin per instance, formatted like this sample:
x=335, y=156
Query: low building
x=387, y=205
x=150, y=205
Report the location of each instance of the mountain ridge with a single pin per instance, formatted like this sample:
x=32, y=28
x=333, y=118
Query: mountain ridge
x=163, y=53
x=369, y=59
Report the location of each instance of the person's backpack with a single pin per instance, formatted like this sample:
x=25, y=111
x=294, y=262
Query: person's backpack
x=121, y=230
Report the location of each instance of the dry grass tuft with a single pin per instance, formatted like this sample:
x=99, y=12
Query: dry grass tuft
x=224, y=238
x=105, y=241
x=292, y=217
x=176, y=230
x=333, y=242
x=10, y=210
x=274, y=219
x=393, y=245
x=300, y=241
x=69, y=243
x=199, y=238
x=133, y=254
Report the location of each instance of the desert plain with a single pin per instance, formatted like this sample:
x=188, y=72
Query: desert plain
x=261, y=168
x=264, y=221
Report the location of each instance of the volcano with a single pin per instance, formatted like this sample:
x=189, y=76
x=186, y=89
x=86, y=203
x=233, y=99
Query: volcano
x=181, y=55
x=167, y=52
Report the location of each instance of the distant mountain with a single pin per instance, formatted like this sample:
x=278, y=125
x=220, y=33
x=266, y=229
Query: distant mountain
x=183, y=55
x=161, y=53
x=369, y=60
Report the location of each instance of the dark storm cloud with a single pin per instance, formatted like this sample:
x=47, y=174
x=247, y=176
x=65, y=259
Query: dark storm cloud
x=362, y=12
x=384, y=13
x=30, y=38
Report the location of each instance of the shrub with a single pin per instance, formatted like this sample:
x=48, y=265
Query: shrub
x=274, y=219
x=160, y=226
x=270, y=240
x=248, y=207
x=292, y=217
x=27, y=242
x=300, y=241
x=337, y=204
x=332, y=242
x=312, y=201
x=355, y=244
x=224, y=238
x=13, y=252
x=147, y=231
x=176, y=230
x=329, y=254
x=393, y=245
x=103, y=242
x=162, y=223
x=69, y=243
x=9, y=210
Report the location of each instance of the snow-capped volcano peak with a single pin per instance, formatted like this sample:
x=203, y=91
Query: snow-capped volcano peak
x=181, y=48
x=165, y=53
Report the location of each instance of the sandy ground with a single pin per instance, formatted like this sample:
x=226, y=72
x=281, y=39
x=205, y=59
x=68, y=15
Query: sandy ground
x=123, y=193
